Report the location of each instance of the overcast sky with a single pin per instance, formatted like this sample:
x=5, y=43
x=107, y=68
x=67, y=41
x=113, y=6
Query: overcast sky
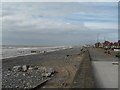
x=63, y=23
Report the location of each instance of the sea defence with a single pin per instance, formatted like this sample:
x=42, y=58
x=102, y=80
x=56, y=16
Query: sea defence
x=84, y=76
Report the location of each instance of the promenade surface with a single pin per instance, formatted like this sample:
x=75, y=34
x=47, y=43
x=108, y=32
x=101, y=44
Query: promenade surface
x=105, y=73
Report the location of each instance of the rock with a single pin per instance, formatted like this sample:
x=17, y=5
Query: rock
x=42, y=69
x=17, y=68
x=25, y=87
x=8, y=74
x=24, y=68
x=23, y=74
x=46, y=74
x=28, y=84
x=17, y=86
x=30, y=68
x=19, y=79
x=50, y=70
x=31, y=76
x=52, y=75
x=33, y=68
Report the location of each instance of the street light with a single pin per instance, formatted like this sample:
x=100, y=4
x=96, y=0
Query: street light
x=98, y=37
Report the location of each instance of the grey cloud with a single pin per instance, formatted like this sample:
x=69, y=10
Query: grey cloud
x=19, y=27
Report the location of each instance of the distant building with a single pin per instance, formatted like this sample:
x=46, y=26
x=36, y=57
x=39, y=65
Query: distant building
x=107, y=44
x=116, y=45
x=97, y=45
x=119, y=42
x=112, y=45
x=100, y=45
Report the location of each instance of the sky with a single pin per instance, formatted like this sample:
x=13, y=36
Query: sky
x=59, y=23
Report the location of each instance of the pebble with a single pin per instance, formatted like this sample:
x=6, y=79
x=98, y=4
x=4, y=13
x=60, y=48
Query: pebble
x=32, y=75
x=23, y=74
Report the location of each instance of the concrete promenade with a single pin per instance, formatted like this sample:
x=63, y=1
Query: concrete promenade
x=105, y=73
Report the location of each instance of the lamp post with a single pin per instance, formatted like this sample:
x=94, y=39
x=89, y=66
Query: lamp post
x=104, y=39
x=98, y=37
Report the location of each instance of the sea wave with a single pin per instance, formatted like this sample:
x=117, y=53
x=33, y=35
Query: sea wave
x=15, y=51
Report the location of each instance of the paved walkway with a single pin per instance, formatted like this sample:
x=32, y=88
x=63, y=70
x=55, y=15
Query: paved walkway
x=105, y=73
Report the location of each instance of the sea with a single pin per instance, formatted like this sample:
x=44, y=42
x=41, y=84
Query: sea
x=9, y=51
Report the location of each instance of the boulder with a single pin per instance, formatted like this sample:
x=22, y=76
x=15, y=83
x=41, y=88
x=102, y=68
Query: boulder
x=50, y=70
x=46, y=74
x=24, y=68
x=17, y=68
x=30, y=68
x=33, y=68
x=42, y=69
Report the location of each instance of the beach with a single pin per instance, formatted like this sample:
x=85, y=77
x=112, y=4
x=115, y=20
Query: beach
x=65, y=63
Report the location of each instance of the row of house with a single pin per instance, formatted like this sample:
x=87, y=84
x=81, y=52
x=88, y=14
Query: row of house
x=108, y=45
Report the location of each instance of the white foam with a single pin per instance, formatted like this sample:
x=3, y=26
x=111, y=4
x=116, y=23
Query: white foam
x=10, y=52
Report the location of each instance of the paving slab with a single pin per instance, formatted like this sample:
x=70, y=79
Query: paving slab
x=105, y=73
